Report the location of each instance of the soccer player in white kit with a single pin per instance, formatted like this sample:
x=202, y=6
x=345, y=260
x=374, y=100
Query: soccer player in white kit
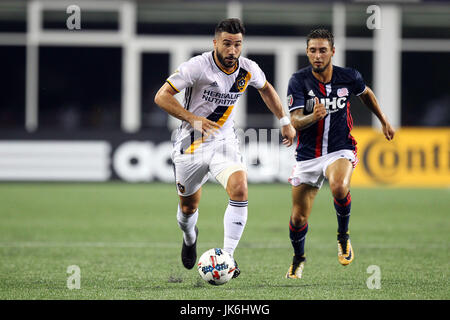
x=206, y=141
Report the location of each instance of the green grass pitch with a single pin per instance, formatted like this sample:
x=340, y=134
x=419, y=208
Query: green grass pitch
x=126, y=242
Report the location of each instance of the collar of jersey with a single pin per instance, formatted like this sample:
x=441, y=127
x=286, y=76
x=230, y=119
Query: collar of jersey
x=224, y=71
x=325, y=83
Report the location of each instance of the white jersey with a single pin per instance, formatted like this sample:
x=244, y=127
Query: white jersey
x=211, y=92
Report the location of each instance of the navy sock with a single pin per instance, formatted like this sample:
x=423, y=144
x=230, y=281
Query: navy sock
x=343, y=207
x=297, y=235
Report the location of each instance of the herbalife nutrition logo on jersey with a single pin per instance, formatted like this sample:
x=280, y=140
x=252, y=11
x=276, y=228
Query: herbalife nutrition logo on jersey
x=226, y=99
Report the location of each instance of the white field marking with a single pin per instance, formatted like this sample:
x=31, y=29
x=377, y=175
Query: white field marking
x=170, y=245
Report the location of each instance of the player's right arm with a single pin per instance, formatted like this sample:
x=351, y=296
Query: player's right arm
x=301, y=121
x=296, y=104
x=165, y=99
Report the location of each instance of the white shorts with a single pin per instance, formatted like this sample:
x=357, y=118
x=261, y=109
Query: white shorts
x=220, y=158
x=312, y=171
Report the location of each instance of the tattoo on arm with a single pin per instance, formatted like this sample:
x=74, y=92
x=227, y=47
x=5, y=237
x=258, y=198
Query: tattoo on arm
x=300, y=121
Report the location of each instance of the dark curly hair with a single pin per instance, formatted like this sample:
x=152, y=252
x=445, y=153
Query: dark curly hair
x=321, y=34
x=231, y=25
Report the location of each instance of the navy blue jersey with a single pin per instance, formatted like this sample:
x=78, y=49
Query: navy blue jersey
x=332, y=133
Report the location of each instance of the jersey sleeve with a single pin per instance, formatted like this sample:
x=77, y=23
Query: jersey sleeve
x=258, y=79
x=295, y=95
x=186, y=74
x=359, y=84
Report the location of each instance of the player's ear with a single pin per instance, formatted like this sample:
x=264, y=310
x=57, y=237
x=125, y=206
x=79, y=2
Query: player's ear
x=333, y=50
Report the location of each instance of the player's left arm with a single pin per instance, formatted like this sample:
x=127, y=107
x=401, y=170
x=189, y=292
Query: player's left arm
x=273, y=103
x=370, y=100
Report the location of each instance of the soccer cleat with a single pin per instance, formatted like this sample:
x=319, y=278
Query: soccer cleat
x=237, y=271
x=345, y=250
x=296, y=269
x=189, y=253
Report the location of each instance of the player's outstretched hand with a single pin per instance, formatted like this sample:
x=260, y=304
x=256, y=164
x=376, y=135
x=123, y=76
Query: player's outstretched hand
x=388, y=131
x=204, y=125
x=319, y=110
x=288, y=133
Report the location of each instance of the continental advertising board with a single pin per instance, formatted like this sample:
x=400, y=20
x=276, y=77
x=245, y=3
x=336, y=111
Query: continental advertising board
x=415, y=158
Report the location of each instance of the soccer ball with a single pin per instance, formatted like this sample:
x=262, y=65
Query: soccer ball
x=216, y=266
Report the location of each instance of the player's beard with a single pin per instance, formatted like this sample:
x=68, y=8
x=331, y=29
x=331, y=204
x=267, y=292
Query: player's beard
x=321, y=69
x=224, y=62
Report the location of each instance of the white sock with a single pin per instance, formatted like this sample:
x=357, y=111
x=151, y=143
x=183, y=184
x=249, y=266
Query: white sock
x=187, y=223
x=234, y=222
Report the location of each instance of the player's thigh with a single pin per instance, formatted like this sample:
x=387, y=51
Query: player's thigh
x=303, y=197
x=309, y=172
x=190, y=174
x=228, y=168
x=339, y=174
x=189, y=204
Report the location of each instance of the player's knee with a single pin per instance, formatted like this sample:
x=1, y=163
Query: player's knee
x=189, y=208
x=239, y=191
x=298, y=217
x=298, y=220
x=339, y=189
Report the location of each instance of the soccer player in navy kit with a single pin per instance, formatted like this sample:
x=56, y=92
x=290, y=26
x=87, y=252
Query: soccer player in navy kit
x=318, y=100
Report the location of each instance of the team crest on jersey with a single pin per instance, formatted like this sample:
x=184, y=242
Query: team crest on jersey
x=290, y=100
x=342, y=92
x=180, y=187
x=241, y=81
